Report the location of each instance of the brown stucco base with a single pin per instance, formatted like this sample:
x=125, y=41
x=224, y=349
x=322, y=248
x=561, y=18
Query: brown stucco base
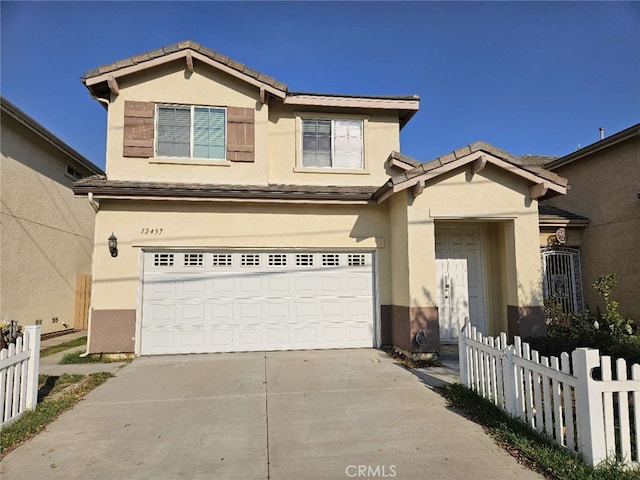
x=399, y=326
x=526, y=321
x=112, y=331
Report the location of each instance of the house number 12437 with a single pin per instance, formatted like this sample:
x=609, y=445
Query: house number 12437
x=151, y=231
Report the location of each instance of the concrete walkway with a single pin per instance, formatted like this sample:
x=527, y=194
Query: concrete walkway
x=281, y=415
x=50, y=365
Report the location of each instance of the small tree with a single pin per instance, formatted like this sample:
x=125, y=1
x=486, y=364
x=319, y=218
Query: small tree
x=611, y=319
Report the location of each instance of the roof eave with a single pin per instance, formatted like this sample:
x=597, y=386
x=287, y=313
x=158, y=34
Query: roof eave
x=28, y=122
x=595, y=147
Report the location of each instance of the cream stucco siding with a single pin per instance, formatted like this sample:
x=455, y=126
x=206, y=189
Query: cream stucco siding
x=171, y=84
x=277, y=133
x=381, y=136
x=46, y=235
x=212, y=225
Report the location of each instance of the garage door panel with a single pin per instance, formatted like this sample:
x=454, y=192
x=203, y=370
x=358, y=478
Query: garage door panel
x=249, y=286
x=277, y=284
x=248, y=338
x=221, y=285
x=160, y=287
x=278, y=311
x=223, y=302
x=160, y=314
x=220, y=339
x=305, y=285
x=358, y=284
x=191, y=339
x=220, y=313
x=193, y=287
x=158, y=340
x=303, y=310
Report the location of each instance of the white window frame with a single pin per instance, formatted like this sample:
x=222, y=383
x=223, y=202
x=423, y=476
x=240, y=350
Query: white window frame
x=302, y=116
x=191, y=131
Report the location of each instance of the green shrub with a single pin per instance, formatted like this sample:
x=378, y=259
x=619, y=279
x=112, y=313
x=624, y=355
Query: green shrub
x=608, y=331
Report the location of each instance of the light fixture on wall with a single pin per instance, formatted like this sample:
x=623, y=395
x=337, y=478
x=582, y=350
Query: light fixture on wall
x=113, y=245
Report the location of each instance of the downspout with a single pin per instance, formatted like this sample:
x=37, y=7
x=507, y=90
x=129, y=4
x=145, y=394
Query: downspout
x=95, y=205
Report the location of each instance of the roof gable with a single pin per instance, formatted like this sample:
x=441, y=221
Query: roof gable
x=477, y=155
x=102, y=79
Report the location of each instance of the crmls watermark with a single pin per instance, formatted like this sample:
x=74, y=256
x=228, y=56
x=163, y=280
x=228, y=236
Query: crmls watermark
x=370, y=471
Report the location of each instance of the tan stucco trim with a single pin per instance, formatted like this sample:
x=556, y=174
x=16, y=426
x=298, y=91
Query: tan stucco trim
x=352, y=102
x=233, y=200
x=183, y=55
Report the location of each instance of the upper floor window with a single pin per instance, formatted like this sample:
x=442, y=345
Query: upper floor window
x=191, y=132
x=73, y=173
x=332, y=143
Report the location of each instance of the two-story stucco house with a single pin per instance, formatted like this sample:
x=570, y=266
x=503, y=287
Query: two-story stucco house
x=250, y=217
x=46, y=235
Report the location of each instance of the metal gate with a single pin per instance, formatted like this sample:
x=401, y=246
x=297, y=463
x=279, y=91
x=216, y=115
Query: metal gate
x=562, y=277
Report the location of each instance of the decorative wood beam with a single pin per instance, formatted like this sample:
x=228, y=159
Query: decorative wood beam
x=538, y=190
x=479, y=164
x=189, y=58
x=112, y=83
x=263, y=96
x=418, y=188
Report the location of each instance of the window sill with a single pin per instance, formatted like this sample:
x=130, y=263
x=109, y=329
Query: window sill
x=191, y=161
x=338, y=171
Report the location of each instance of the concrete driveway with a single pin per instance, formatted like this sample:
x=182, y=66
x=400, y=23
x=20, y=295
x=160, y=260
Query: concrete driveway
x=334, y=414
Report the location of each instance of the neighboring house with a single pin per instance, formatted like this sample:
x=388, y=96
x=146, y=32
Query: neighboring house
x=250, y=217
x=604, y=188
x=46, y=234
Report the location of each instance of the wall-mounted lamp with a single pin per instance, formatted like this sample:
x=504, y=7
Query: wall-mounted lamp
x=113, y=245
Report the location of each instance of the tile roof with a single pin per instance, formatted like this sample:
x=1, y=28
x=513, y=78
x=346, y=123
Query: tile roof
x=553, y=215
x=472, y=148
x=99, y=185
x=185, y=45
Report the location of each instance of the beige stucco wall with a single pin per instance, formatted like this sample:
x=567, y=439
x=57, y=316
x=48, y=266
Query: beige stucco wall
x=604, y=188
x=381, y=135
x=226, y=225
x=277, y=133
x=494, y=196
x=171, y=83
x=46, y=235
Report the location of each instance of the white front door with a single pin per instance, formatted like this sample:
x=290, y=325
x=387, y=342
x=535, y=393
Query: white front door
x=460, y=279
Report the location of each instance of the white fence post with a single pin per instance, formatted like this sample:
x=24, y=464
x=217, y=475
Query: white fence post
x=33, y=334
x=589, y=417
x=510, y=389
x=462, y=353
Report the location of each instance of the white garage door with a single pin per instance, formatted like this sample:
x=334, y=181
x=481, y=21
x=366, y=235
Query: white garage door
x=197, y=302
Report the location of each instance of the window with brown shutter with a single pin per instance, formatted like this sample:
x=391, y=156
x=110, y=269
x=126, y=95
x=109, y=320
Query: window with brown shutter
x=138, y=129
x=240, y=134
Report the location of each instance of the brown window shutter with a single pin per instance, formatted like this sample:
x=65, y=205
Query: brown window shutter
x=241, y=134
x=138, y=129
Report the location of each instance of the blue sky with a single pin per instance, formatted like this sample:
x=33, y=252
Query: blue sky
x=528, y=77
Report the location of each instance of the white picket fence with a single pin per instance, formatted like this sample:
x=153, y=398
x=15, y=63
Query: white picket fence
x=19, y=376
x=598, y=418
